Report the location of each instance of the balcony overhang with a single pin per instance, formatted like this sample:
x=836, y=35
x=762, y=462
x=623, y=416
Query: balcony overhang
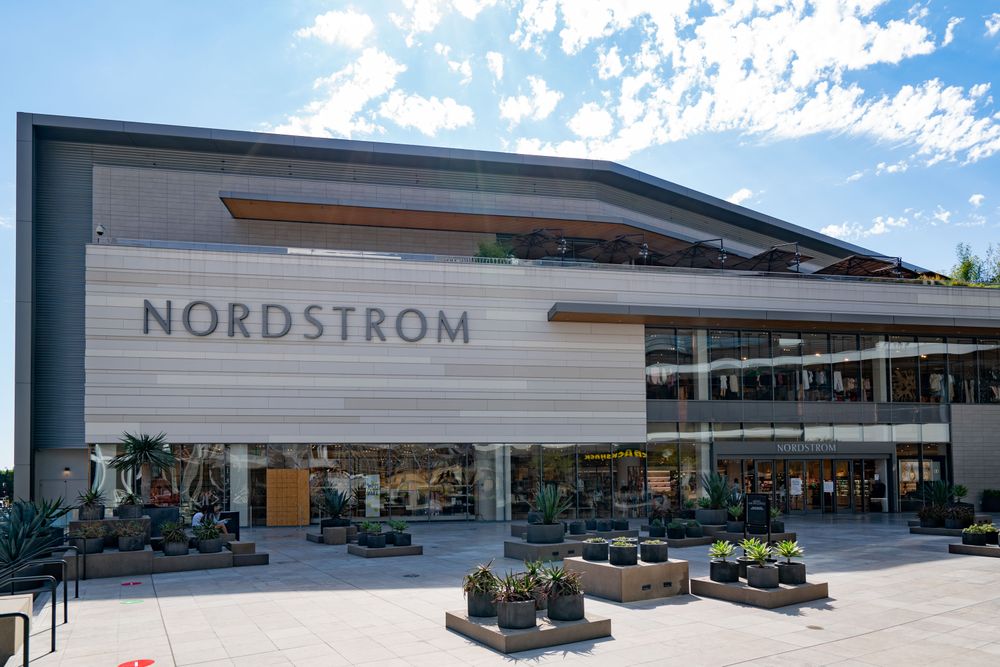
x=304, y=209
x=735, y=318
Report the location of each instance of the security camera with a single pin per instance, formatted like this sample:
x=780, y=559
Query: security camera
x=100, y=230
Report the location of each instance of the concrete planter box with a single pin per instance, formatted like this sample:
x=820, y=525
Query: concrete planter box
x=335, y=535
x=974, y=539
x=94, y=513
x=334, y=523
x=362, y=539
x=516, y=615
x=543, y=552
x=129, y=511
x=384, y=552
x=971, y=550
x=777, y=526
x=622, y=556
x=545, y=633
x=793, y=574
x=401, y=539
x=711, y=517
x=210, y=546
x=643, y=581
x=724, y=571
x=595, y=551
x=763, y=577
x=766, y=598
x=135, y=543
x=375, y=541
x=541, y=533
x=565, y=607
x=653, y=553
x=480, y=605
x=175, y=548
x=93, y=545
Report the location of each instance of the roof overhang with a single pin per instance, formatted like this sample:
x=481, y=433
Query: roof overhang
x=731, y=318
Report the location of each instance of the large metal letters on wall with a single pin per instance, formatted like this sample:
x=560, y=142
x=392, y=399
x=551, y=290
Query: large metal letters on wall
x=201, y=318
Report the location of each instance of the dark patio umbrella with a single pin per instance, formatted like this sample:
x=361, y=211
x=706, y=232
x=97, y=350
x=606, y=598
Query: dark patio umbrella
x=618, y=250
x=537, y=244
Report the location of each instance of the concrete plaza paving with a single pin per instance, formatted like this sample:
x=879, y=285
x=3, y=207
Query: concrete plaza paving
x=896, y=599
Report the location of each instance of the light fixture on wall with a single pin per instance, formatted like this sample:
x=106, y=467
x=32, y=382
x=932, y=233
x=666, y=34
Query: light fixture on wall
x=99, y=230
x=67, y=472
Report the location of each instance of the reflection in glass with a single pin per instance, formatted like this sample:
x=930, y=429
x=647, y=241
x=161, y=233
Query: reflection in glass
x=817, y=376
x=786, y=353
x=962, y=366
x=903, y=355
x=755, y=358
x=525, y=464
x=559, y=468
x=450, y=482
x=989, y=371
x=629, y=476
x=661, y=364
x=724, y=350
x=846, y=359
x=594, y=487
x=936, y=385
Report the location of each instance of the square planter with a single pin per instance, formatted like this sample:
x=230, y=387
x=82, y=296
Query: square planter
x=974, y=539
x=210, y=546
x=175, y=548
x=375, y=541
x=657, y=531
x=401, y=539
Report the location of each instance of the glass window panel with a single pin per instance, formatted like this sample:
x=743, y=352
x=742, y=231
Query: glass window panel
x=663, y=476
x=559, y=468
x=786, y=360
x=371, y=470
x=524, y=478
x=755, y=358
x=723, y=431
x=694, y=463
x=661, y=364
x=935, y=386
x=877, y=432
x=489, y=482
x=629, y=475
x=818, y=432
x=695, y=432
x=989, y=371
x=406, y=482
x=906, y=432
x=935, y=432
x=758, y=432
x=594, y=487
x=962, y=366
x=903, y=355
x=788, y=432
x=329, y=468
x=724, y=351
x=203, y=478
x=846, y=362
x=874, y=368
x=662, y=432
x=817, y=376
x=450, y=480
x=692, y=365
x=847, y=432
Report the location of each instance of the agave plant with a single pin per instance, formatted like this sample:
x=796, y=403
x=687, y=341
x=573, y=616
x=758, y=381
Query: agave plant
x=27, y=531
x=336, y=502
x=92, y=497
x=717, y=489
x=758, y=552
x=173, y=532
x=938, y=493
x=514, y=587
x=142, y=453
x=481, y=580
x=550, y=503
x=721, y=550
x=557, y=582
x=789, y=549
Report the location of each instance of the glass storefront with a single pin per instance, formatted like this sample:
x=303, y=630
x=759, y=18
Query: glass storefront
x=729, y=365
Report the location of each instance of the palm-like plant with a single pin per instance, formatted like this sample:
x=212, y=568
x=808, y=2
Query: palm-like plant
x=26, y=530
x=336, y=502
x=142, y=453
x=550, y=503
x=717, y=489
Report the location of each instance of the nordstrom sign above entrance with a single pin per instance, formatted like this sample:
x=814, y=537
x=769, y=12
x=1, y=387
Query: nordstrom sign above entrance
x=273, y=320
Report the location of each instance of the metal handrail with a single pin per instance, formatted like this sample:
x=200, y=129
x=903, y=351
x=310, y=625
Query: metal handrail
x=26, y=631
x=76, y=569
x=52, y=583
x=511, y=261
x=65, y=585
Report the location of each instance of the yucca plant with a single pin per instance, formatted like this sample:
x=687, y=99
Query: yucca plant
x=142, y=453
x=335, y=502
x=550, y=503
x=27, y=531
x=717, y=489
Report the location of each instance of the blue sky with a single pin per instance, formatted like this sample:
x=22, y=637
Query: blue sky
x=871, y=120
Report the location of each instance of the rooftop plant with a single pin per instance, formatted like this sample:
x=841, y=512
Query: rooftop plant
x=550, y=503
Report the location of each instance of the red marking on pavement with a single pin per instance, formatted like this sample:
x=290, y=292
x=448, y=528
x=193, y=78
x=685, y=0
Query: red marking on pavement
x=137, y=663
x=132, y=583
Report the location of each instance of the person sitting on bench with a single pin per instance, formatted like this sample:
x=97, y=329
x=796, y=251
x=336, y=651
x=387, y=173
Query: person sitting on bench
x=207, y=514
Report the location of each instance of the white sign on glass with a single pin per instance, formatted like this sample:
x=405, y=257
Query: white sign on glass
x=828, y=486
x=796, y=486
x=373, y=495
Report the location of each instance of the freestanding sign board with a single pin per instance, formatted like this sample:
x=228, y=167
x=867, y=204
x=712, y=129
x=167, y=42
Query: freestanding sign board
x=758, y=514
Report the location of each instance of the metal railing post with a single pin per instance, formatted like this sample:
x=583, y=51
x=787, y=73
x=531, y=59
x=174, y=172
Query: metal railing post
x=25, y=634
x=52, y=583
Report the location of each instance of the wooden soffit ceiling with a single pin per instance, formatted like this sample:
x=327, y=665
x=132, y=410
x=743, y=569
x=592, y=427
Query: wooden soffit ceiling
x=252, y=208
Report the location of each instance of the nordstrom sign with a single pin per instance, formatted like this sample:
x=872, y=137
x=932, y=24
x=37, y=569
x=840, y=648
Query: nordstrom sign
x=273, y=320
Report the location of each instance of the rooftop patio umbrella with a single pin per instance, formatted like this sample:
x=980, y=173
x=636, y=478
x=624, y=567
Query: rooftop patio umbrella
x=774, y=260
x=618, y=250
x=536, y=244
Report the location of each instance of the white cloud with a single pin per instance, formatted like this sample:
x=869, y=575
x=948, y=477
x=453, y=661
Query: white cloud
x=740, y=196
x=470, y=8
x=6, y=223
x=423, y=16
x=942, y=215
x=977, y=200
x=974, y=220
x=609, y=63
x=993, y=25
x=442, y=49
x=428, y=115
x=494, y=62
x=949, y=32
x=348, y=28
x=463, y=67
x=853, y=230
x=538, y=105
x=346, y=93
x=773, y=70
x=894, y=168
x=591, y=122
x=856, y=176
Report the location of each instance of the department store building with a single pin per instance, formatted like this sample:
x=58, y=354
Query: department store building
x=298, y=314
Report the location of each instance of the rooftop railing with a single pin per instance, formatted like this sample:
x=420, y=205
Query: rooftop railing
x=510, y=261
